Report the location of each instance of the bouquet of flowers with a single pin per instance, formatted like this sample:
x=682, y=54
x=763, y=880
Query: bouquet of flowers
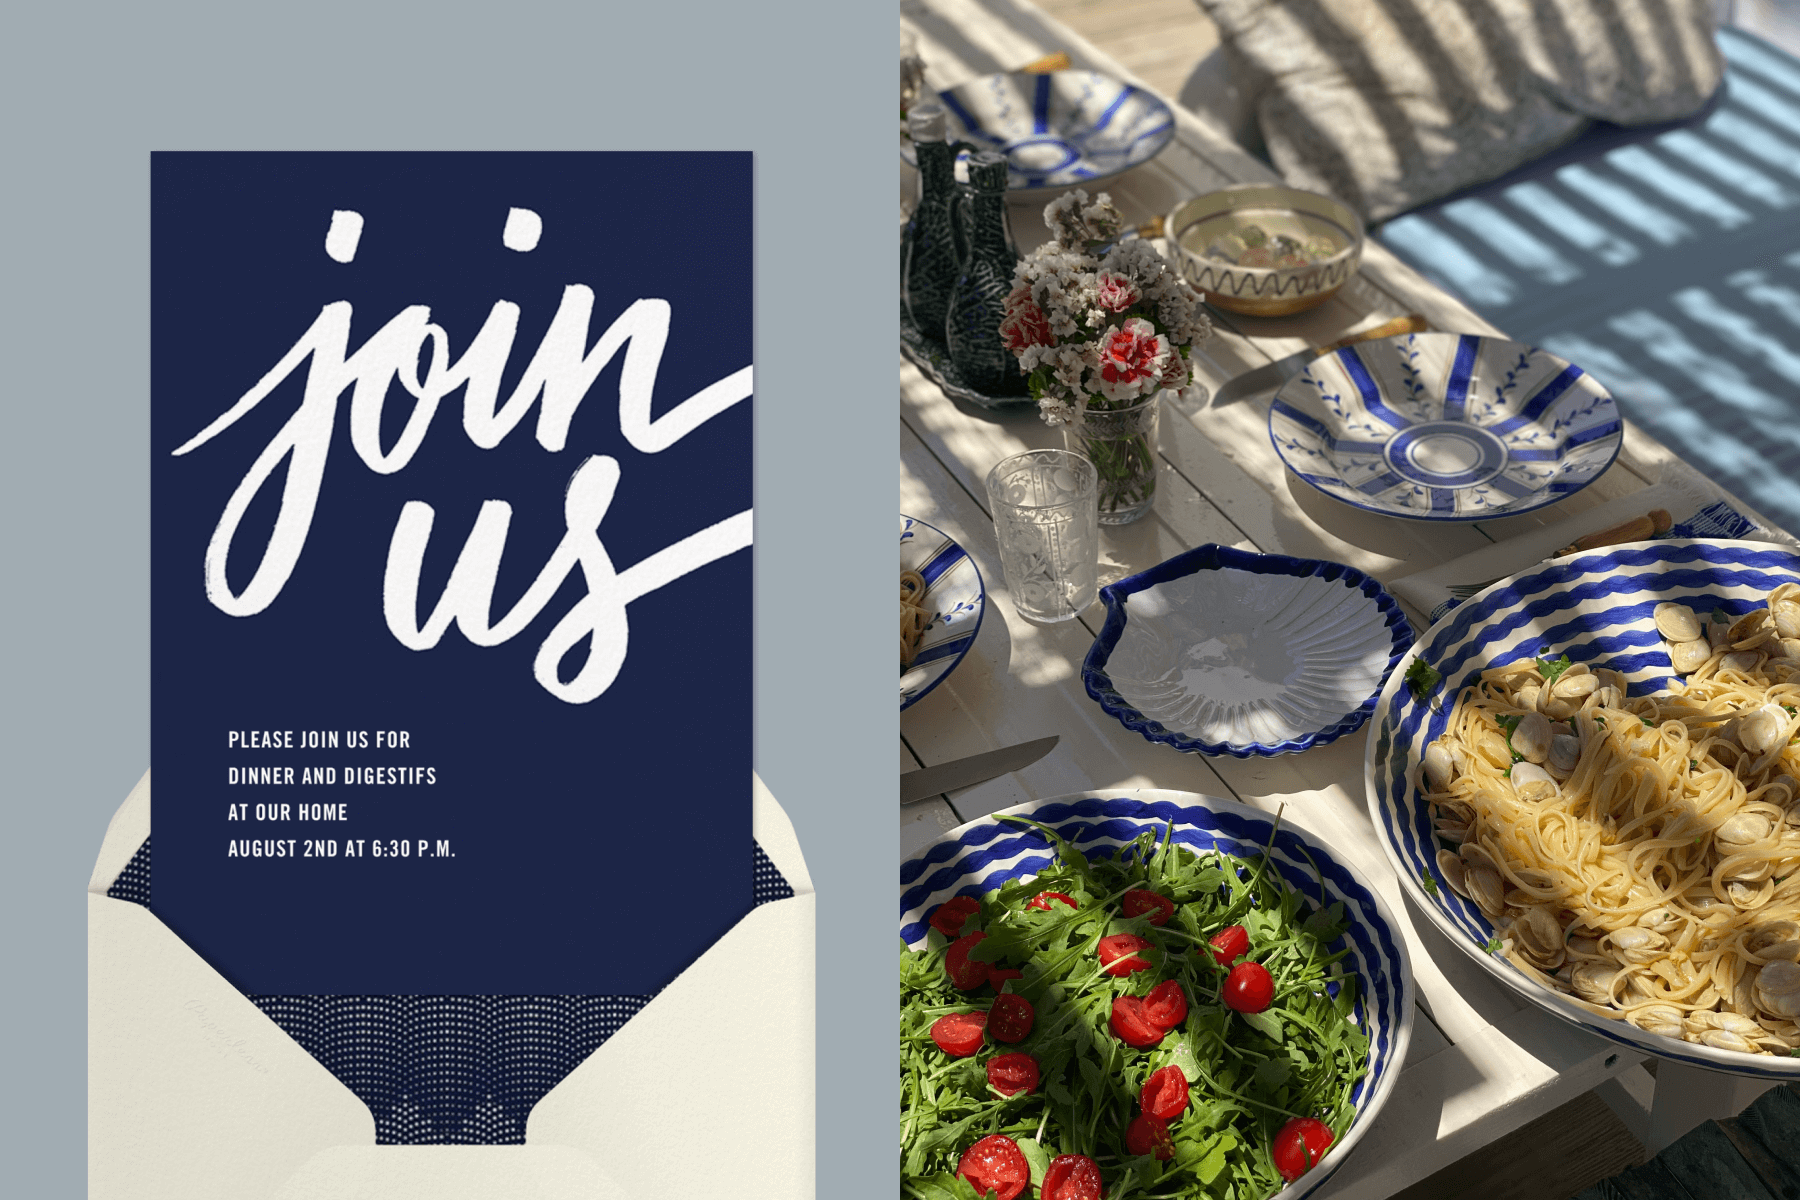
x=1101, y=326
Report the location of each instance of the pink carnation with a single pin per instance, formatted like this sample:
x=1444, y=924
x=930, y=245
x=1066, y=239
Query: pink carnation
x=1175, y=375
x=1133, y=360
x=1019, y=295
x=1025, y=326
x=1115, y=292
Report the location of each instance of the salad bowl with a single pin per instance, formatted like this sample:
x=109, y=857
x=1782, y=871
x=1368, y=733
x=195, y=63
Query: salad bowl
x=1597, y=608
x=985, y=854
x=1221, y=651
x=1445, y=427
x=954, y=597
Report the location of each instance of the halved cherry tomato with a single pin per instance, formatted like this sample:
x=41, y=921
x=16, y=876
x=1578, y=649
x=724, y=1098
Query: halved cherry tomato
x=1010, y=1074
x=1114, y=949
x=950, y=915
x=1166, y=1006
x=1299, y=1146
x=1248, y=988
x=1230, y=944
x=1149, y=1135
x=1071, y=1177
x=965, y=972
x=999, y=975
x=959, y=1034
x=1009, y=1020
x=1042, y=900
x=1139, y=902
x=995, y=1164
x=1165, y=1094
x=1128, y=1022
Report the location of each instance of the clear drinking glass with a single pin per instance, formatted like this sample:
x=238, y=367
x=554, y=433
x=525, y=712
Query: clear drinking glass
x=1046, y=518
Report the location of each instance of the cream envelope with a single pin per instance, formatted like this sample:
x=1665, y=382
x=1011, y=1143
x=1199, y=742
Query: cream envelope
x=193, y=1093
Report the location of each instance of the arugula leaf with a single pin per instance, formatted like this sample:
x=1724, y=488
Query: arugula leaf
x=1428, y=882
x=1265, y=1021
x=1036, y=1157
x=1422, y=678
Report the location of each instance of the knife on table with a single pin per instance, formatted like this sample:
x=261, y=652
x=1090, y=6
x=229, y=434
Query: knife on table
x=932, y=781
x=1271, y=376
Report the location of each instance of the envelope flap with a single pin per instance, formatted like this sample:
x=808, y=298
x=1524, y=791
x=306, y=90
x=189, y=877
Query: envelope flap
x=775, y=834
x=451, y=1173
x=734, y=1034
x=129, y=826
x=192, y=1092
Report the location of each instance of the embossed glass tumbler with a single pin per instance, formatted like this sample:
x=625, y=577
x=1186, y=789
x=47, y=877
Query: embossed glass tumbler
x=1046, y=517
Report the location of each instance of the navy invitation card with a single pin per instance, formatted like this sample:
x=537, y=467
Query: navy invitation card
x=451, y=569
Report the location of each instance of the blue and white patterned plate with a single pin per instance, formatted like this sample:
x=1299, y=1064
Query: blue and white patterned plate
x=1445, y=427
x=980, y=856
x=1219, y=651
x=1596, y=608
x=953, y=595
x=1058, y=129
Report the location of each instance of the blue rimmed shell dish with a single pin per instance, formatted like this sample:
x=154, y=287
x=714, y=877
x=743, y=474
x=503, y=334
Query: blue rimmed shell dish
x=1220, y=651
x=1596, y=608
x=1445, y=427
x=955, y=598
x=980, y=856
x=1057, y=129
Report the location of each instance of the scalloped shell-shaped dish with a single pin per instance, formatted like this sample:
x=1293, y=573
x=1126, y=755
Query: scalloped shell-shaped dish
x=1220, y=651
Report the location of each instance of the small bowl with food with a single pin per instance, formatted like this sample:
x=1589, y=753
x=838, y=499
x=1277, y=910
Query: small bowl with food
x=941, y=602
x=1265, y=249
x=1588, y=777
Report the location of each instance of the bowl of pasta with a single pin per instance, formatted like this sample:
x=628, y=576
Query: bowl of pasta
x=1588, y=777
x=941, y=602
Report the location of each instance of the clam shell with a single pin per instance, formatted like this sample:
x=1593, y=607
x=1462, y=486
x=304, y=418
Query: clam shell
x=1676, y=622
x=1440, y=768
x=1486, y=890
x=1744, y=829
x=1741, y=661
x=1763, y=730
x=1565, y=753
x=1574, y=687
x=1593, y=982
x=1451, y=867
x=1532, y=782
x=1724, y=1039
x=1532, y=737
x=1687, y=657
x=1657, y=1018
x=1637, y=944
x=1778, y=989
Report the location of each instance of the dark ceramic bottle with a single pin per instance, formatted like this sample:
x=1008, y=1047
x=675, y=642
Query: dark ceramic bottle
x=930, y=252
x=984, y=277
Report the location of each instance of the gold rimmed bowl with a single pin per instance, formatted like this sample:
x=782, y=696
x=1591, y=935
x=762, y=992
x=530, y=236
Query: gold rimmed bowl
x=1264, y=249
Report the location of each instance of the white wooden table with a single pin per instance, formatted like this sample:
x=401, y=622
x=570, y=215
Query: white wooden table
x=1481, y=1063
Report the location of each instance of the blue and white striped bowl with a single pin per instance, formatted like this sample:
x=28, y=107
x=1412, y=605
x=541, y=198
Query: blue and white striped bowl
x=1057, y=129
x=953, y=595
x=980, y=856
x=1596, y=608
x=1445, y=427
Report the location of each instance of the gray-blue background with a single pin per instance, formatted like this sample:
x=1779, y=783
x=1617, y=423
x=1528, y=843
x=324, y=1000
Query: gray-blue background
x=87, y=93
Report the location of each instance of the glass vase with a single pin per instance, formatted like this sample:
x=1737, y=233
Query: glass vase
x=1121, y=443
